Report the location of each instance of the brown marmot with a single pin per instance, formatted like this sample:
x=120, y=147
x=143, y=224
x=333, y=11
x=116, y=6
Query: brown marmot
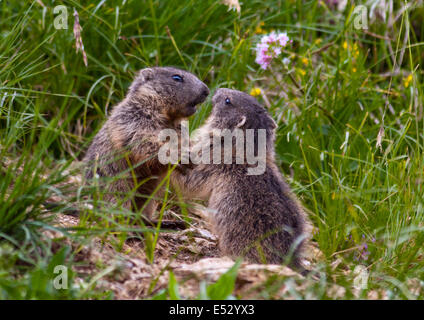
x=254, y=215
x=126, y=147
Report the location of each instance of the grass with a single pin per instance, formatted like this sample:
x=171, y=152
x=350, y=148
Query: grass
x=350, y=128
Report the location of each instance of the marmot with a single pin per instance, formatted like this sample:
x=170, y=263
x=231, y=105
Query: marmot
x=254, y=216
x=127, y=145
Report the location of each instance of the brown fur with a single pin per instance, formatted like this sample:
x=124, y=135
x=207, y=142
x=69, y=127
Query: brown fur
x=155, y=101
x=255, y=216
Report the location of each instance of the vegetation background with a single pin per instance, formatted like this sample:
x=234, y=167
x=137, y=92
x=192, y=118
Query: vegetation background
x=349, y=108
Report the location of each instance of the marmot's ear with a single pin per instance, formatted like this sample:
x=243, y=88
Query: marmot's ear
x=145, y=75
x=241, y=122
x=141, y=77
x=273, y=123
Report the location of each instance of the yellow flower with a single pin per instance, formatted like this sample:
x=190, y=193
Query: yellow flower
x=302, y=72
x=255, y=92
x=259, y=29
x=407, y=81
x=353, y=49
x=354, y=69
x=305, y=61
x=318, y=41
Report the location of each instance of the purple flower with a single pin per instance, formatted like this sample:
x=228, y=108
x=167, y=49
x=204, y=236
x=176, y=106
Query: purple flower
x=270, y=47
x=363, y=253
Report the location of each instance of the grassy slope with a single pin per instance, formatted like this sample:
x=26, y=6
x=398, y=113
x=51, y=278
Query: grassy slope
x=51, y=106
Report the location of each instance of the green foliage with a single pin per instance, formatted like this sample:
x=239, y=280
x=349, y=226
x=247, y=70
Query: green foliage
x=36, y=284
x=350, y=140
x=223, y=288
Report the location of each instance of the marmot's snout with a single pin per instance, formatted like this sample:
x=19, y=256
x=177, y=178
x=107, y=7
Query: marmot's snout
x=198, y=91
x=204, y=92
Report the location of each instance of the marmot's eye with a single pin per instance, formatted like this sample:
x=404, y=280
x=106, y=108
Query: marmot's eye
x=177, y=78
x=227, y=101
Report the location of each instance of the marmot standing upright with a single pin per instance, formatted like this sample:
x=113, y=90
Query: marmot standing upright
x=159, y=98
x=255, y=216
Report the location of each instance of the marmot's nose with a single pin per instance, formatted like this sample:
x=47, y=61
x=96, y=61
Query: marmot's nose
x=205, y=91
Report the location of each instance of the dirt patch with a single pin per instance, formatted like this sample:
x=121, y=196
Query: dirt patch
x=192, y=255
